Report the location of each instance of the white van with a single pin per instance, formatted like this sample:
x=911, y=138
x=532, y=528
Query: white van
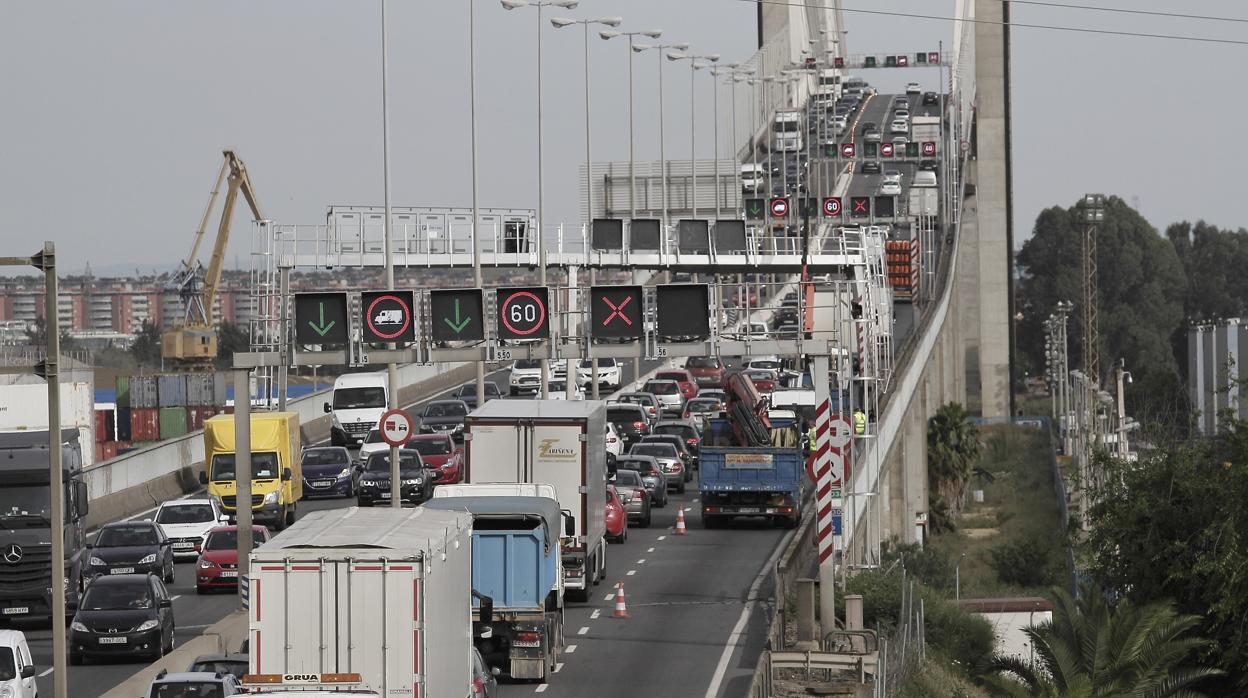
x=359, y=401
x=19, y=680
x=923, y=178
x=753, y=177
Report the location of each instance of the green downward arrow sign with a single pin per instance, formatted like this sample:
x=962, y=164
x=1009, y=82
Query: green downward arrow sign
x=323, y=328
x=459, y=324
x=755, y=209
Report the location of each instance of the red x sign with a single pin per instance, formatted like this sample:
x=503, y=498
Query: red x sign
x=617, y=310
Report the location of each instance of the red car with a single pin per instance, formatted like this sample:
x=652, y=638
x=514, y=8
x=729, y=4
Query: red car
x=764, y=380
x=707, y=371
x=442, y=455
x=688, y=386
x=217, y=567
x=617, y=518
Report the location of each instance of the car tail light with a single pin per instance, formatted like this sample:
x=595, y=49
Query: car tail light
x=527, y=638
x=639, y=493
x=638, y=425
x=478, y=686
x=691, y=442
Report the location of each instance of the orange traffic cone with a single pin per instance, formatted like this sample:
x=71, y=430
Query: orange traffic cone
x=680, y=522
x=621, y=610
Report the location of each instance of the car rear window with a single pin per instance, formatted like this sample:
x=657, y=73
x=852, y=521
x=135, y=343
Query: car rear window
x=703, y=362
x=622, y=414
x=662, y=388
x=671, y=376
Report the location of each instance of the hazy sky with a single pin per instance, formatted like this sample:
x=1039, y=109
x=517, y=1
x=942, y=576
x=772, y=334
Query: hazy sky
x=115, y=112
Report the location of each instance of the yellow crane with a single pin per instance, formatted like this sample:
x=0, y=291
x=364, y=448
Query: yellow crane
x=193, y=342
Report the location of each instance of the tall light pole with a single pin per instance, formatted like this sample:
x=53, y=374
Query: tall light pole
x=734, y=76
x=632, y=175
x=725, y=69
x=638, y=48
x=560, y=23
x=541, y=190
x=693, y=125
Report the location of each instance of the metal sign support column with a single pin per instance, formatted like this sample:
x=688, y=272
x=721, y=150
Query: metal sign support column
x=824, y=501
x=242, y=475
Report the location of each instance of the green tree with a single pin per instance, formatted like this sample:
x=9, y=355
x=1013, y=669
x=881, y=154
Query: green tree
x=231, y=338
x=1093, y=650
x=952, y=447
x=1142, y=290
x=146, y=346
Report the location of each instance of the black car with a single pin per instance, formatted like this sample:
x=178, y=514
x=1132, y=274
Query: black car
x=870, y=167
x=229, y=663
x=128, y=615
x=631, y=421
x=928, y=165
x=417, y=485
x=467, y=393
x=131, y=547
x=445, y=417
x=931, y=99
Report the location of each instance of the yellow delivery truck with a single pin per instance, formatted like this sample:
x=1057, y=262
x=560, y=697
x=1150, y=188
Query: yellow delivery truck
x=276, y=475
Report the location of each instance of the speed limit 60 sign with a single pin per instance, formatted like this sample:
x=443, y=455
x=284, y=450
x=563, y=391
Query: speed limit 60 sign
x=523, y=313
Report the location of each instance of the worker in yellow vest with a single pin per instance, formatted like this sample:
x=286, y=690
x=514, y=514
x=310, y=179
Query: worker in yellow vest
x=860, y=421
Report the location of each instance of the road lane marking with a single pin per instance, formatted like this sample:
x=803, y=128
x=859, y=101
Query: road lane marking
x=662, y=537
x=695, y=500
x=175, y=597
x=642, y=561
x=737, y=637
x=649, y=550
x=608, y=597
x=630, y=573
x=558, y=667
x=688, y=508
x=570, y=649
x=583, y=630
x=45, y=672
x=597, y=612
x=541, y=688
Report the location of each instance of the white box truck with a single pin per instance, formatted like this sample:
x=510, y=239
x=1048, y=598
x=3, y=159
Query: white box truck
x=383, y=593
x=555, y=442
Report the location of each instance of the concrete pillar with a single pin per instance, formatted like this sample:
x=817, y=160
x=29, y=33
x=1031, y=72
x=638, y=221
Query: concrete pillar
x=993, y=193
x=807, y=631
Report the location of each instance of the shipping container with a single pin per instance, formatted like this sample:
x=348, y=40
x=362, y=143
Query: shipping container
x=172, y=422
x=144, y=423
x=129, y=448
x=123, y=392
x=385, y=593
x=105, y=450
x=24, y=407
x=205, y=389
x=104, y=426
x=171, y=390
x=144, y=392
x=196, y=416
x=122, y=422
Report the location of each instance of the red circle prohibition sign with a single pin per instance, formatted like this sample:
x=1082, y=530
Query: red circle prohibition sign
x=541, y=318
x=407, y=317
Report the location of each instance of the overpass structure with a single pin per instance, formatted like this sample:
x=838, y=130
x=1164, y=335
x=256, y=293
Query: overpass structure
x=955, y=344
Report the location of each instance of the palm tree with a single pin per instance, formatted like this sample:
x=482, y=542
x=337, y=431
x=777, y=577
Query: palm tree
x=1093, y=650
x=952, y=447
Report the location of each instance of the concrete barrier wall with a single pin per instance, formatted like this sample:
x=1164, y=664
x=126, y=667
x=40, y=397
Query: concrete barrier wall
x=226, y=635
x=142, y=479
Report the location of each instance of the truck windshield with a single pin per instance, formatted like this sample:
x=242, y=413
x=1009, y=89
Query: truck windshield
x=8, y=670
x=25, y=503
x=263, y=467
x=359, y=398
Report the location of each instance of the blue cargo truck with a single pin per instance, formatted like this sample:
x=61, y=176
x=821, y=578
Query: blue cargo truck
x=765, y=481
x=516, y=573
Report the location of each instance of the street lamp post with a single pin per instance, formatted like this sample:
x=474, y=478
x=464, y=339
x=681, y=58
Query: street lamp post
x=725, y=69
x=632, y=174
x=541, y=190
x=638, y=48
x=560, y=23
x=693, y=128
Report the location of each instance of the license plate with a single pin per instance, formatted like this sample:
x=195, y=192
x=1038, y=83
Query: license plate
x=386, y=495
x=749, y=510
x=113, y=641
x=323, y=483
x=183, y=545
x=15, y=610
x=121, y=570
x=229, y=574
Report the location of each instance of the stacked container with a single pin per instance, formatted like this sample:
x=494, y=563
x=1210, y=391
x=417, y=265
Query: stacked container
x=171, y=390
x=145, y=424
x=172, y=422
x=104, y=426
x=205, y=390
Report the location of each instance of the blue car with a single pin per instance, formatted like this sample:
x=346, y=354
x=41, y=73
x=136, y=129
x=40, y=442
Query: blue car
x=329, y=472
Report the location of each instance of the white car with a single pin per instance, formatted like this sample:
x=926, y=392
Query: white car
x=19, y=680
x=526, y=376
x=891, y=176
x=187, y=522
x=559, y=390
x=372, y=444
x=913, y=88
x=899, y=126
x=609, y=374
x=890, y=188
x=615, y=445
x=901, y=113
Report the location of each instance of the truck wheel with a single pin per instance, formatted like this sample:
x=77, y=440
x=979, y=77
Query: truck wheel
x=280, y=522
x=290, y=516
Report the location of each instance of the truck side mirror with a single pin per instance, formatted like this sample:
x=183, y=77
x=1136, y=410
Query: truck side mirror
x=82, y=497
x=28, y=671
x=328, y=409
x=487, y=610
x=569, y=523
x=203, y=477
x=287, y=474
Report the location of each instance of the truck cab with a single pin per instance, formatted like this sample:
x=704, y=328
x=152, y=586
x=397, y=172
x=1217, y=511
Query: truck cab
x=358, y=401
x=27, y=571
x=276, y=470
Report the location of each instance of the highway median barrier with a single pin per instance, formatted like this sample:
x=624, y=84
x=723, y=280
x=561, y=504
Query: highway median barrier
x=226, y=635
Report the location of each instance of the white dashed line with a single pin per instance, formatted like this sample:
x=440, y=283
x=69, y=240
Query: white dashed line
x=541, y=688
x=688, y=508
x=45, y=673
x=630, y=573
x=583, y=630
x=558, y=667
x=695, y=500
x=570, y=649
x=608, y=597
x=649, y=550
x=597, y=612
x=642, y=561
x=175, y=597
x=662, y=537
